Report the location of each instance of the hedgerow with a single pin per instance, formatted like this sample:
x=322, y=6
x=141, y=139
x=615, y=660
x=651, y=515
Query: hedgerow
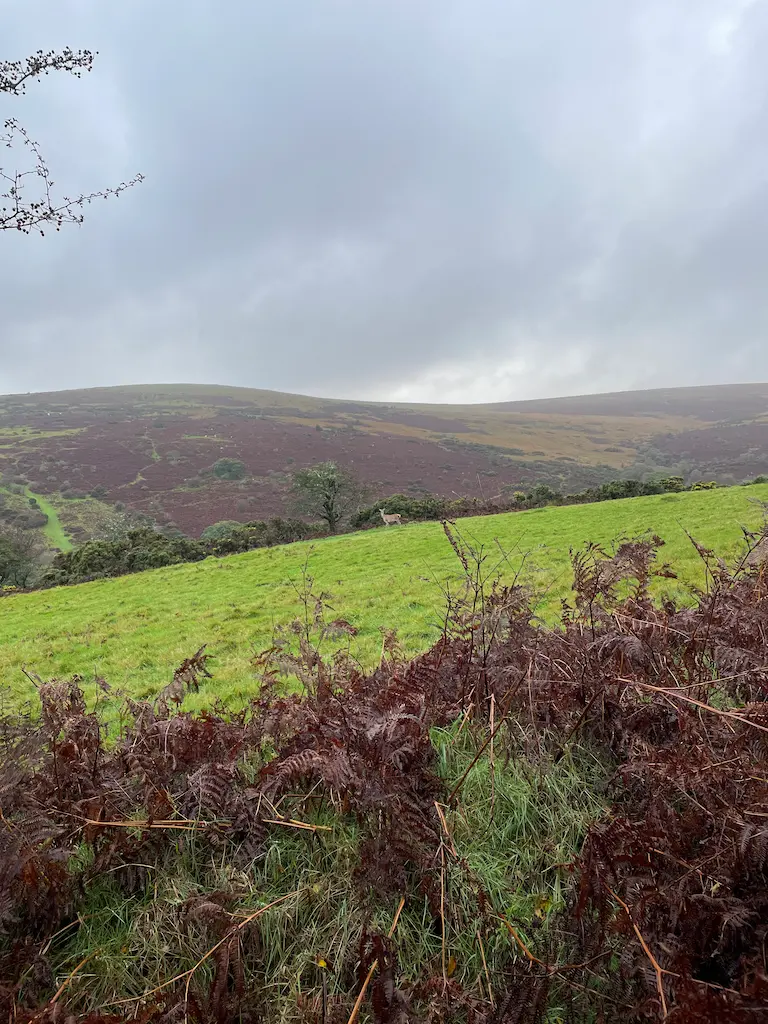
x=430, y=506
x=147, y=548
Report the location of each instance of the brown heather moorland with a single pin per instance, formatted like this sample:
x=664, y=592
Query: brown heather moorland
x=152, y=447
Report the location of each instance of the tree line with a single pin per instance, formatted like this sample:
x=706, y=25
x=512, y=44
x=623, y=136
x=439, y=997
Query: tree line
x=326, y=499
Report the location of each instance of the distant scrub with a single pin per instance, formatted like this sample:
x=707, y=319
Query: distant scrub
x=542, y=495
x=424, y=508
x=230, y=538
x=136, y=551
x=28, y=518
x=229, y=469
x=146, y=548
x=417, y=509
x=433, y=507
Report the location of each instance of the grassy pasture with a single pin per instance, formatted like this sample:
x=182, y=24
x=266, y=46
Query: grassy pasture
x=135, y=630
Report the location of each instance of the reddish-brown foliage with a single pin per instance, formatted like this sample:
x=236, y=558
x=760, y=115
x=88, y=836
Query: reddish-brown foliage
x=673, y=884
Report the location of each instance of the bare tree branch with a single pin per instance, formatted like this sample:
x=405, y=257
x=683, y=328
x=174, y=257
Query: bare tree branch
x=17, y=211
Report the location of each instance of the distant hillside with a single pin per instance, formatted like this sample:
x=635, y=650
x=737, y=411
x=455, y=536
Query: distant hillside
x=152, y=447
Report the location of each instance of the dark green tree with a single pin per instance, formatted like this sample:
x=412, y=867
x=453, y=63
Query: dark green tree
x=21, y=554
x=229, y=469
x=327, y=492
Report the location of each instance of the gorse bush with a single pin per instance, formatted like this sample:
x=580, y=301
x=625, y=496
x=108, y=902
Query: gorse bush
x=513, y=499
x=613, y=490
x=522, y=824
x=135, y=551
x=415, y=509
x=219, y=530
x=427, y=507
x=259, y=534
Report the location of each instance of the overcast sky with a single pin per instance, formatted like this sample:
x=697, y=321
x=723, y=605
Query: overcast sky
x=428, y=200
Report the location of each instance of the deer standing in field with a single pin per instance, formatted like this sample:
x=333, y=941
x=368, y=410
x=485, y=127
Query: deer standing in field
x=390, y=520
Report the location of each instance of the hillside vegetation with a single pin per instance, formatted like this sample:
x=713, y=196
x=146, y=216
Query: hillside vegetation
x=163, y=450
x=525, y=825
x=134, y=630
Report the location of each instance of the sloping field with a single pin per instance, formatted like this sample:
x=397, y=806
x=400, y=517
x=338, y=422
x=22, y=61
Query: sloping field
x=135, y=630
x=152, y=447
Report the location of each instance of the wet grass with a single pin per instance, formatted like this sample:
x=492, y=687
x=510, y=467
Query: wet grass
x=513, y=827
x=135, y=630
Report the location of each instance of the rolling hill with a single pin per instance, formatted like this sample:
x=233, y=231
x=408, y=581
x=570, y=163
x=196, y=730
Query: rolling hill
x=151, y=448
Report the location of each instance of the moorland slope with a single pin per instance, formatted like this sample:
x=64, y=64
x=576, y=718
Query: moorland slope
x=151, y=447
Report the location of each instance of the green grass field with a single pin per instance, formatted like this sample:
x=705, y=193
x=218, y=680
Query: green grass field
x=135, y=630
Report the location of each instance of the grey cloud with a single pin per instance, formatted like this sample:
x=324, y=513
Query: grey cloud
x=426, y=200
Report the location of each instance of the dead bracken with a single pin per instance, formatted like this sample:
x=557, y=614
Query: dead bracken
x=354, y=845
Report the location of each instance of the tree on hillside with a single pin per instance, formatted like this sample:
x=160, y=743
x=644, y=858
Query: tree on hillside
x=327, y=492
x=17, y=210
x=21, y=554
x=115, y=524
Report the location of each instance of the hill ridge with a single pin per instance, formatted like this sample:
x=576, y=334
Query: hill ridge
x=758, y=388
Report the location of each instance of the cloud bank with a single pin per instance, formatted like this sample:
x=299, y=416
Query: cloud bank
x=440, y=201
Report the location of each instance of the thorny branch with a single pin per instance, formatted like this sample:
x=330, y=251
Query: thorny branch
x=18, y=211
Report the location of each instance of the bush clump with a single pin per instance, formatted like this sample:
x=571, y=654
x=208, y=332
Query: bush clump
x=416, y=509
x=217, y=531
x=231, y=538
x=229, y=469
x=135, y=551
x=432, y=506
